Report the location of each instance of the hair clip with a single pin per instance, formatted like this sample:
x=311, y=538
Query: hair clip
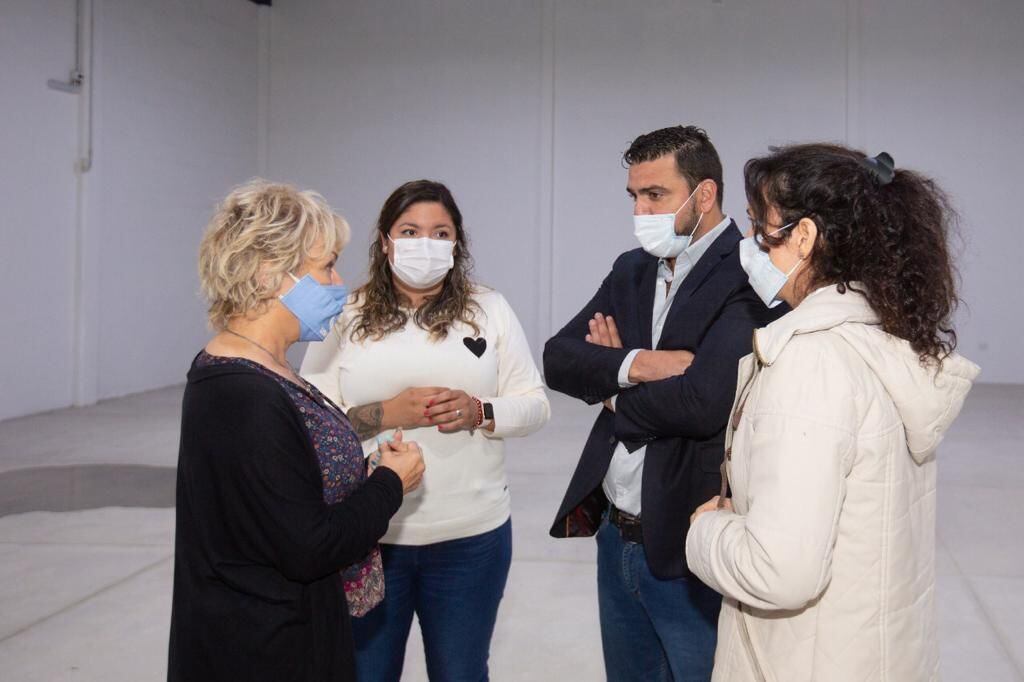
x=883, y=167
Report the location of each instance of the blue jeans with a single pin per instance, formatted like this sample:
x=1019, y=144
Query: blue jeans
x=652, y=630
x=454, y=587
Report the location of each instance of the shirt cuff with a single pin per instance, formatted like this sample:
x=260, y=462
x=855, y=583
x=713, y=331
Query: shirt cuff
x=624, y=381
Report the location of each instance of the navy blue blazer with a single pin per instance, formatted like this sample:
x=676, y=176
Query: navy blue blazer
x=682, y=419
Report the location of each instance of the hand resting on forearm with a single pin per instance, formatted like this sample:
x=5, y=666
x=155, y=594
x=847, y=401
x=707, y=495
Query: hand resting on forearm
x=655, y=365
x=648, y=365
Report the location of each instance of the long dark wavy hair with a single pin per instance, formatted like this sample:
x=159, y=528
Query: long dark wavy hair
x=887, y=231
x=383, y=309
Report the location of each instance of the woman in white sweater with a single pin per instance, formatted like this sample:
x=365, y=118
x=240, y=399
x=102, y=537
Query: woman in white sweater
x=424, y=349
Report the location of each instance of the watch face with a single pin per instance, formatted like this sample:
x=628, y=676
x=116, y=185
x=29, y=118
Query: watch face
x=488, y=411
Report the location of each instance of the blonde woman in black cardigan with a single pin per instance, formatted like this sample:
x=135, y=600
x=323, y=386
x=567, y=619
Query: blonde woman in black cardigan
x=277, y=520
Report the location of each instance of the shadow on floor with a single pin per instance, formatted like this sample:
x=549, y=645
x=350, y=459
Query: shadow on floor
x=73, y=488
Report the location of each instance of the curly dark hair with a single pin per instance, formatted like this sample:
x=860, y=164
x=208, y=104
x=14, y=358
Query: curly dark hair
x=381, y=304
x=696, y=158
x=887, y=233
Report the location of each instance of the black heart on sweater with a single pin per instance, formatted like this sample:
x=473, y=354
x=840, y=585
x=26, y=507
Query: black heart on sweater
x=476, y=346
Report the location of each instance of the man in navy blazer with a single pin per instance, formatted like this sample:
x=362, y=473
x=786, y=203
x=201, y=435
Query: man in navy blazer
x=658, y=344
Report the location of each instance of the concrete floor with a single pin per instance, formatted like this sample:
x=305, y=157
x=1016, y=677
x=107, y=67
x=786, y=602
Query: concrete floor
x=86, y=548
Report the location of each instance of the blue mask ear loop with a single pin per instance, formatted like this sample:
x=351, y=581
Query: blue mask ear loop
x=295, y=280
x=758, y=239
x=687, y=200
x=784, y=227
x=775, y=232
x=800, y=260
x=795, y=266
x=689, y=237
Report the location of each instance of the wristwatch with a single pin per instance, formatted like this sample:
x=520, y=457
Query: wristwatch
x=484, y=413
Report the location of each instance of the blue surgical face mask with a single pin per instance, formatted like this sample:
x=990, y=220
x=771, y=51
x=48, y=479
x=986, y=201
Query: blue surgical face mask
x=765, y=278
x=316, y=305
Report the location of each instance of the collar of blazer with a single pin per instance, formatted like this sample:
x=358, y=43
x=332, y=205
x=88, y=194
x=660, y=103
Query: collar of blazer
x=719, y=249
x=712, y=258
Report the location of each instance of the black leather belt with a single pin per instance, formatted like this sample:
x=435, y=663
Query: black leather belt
x=628, y=525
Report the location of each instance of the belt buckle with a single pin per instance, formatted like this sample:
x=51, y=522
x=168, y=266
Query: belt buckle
x=629, y=526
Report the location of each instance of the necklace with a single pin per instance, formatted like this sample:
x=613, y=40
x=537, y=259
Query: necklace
x=264, y=349
x=306, y=387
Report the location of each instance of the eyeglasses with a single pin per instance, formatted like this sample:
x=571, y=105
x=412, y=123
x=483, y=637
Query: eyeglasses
x=760, y=234
x=765, y=226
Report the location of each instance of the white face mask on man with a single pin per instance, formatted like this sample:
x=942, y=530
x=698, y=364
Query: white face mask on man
x=657, y=233
x=422, y=262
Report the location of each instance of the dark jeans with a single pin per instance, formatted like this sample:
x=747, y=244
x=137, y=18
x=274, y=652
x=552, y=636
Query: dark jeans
x=652, y=630
x=454, y=587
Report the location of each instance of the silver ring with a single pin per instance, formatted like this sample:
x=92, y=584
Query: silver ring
x=458, y=413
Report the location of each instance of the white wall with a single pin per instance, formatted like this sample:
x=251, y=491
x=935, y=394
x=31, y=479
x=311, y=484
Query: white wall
x=524, y=108
x=941, y=86
x=175, y=126
x=736, y=69
x=38, y=142
x=367, y=95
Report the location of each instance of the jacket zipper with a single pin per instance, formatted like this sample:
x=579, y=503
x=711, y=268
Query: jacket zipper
x=734, y=418
x=741, y=403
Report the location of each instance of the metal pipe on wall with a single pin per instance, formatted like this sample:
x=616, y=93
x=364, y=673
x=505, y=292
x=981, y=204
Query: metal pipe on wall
x=84, y=388
x=85, y=35
x=80, y=82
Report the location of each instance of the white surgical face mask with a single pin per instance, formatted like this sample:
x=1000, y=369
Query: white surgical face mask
x=657, y=232
x=765, y=277
x=422, y=262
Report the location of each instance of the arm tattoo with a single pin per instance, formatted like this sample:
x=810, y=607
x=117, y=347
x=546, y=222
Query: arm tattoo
x=367, y=419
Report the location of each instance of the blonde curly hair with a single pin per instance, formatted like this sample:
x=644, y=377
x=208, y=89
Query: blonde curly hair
x=260, y=233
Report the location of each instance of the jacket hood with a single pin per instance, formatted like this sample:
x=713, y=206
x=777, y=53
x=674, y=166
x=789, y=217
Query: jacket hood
x=928, y=399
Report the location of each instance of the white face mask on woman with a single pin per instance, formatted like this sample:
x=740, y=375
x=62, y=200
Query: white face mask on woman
x=765, y=277
x=422, y=262
x=657, y=232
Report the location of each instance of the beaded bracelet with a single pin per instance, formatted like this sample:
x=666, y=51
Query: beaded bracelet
x=479, y=413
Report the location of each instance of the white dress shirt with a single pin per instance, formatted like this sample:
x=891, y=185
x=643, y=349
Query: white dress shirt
x=622, y=483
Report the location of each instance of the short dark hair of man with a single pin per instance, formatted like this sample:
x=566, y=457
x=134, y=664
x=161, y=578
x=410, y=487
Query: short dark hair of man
x=696, y=158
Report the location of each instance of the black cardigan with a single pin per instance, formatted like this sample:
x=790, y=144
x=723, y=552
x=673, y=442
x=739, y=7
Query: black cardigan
x=257, y=594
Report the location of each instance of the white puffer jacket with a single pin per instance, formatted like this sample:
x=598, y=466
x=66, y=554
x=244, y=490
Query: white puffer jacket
x=827, y=563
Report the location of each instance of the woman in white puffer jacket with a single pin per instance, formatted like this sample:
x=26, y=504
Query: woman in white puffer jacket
x=825, y=551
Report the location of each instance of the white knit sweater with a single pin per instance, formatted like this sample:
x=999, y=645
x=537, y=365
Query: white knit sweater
x=464, y=490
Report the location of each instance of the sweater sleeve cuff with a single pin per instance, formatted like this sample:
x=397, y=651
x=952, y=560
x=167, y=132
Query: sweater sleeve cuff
x=391, y=482
x=700, y=542
x=518, y=415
